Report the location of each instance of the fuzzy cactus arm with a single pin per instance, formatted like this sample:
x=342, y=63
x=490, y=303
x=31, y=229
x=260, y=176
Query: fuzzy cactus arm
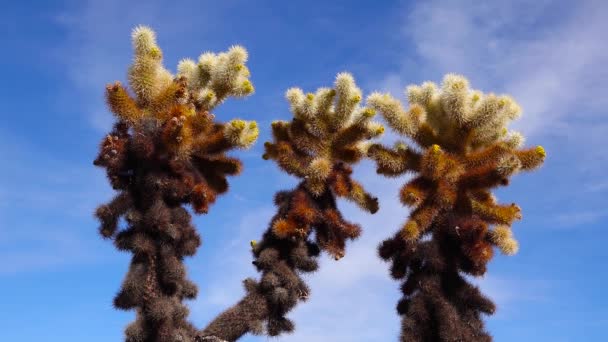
x=328, y=133
x=467, y=151
x=394, y=162
x=167, y=151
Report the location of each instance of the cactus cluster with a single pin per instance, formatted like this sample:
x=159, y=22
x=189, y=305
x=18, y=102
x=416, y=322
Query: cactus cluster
x=328, y=133
x=166, y=150
x=464, y=150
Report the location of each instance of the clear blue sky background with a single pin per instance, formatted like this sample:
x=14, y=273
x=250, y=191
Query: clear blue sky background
x=57, y=277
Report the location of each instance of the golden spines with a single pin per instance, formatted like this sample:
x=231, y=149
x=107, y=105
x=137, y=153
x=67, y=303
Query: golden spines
x=147, y=76
x=426, y=136
x=514, y=140
x=142, y=78
x=207, y=61
x=419, y=222
x=186, y=68
x=362, y=198
x=143, y=39
x=455, y=98
x=244, y=88
x=467, y=150
x=240, y=133
x=287, y=158
x=348, y=97
x=393, y=162
x=487, y=155
x=393, y=112
x=122, y=104
x=323, y=101
x=415, y=192
x=502, y=237
x=280, y=130
x=296, y=99
x=431, y=162
x=507, y=166
x=297, y=221
x=410, y=231
x=317, y=173
x=421, y=95
x=531, y=158
x=173, y=94
x=484, y=110
x=206, y=99
x=217, y=76
x=284, y=228
x=499, y=214
x=303, y=139
x=363, y=130
x=319, y=169
x=328, y=129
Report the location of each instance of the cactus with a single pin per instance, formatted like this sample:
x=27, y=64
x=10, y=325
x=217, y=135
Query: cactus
x=464, y=151
x=328, y=133
x=166, y=150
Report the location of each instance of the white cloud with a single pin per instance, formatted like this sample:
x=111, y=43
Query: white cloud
x=579, y=218
x=554, y=68
x=44, y=205
x=550, y=56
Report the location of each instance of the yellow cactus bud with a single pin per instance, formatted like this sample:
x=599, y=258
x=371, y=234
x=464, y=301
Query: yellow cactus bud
x=155, y=52
x=400, y=146
x=238, y=124
x=247, y=87
x=475, y=97
x=252, y=243
x=410, y=231
x=541, y=151
x=368, y=112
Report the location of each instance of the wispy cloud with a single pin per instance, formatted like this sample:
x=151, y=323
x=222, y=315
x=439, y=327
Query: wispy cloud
x=44, y=205
x=549, y=55
x=578, y=218
x=552, y=67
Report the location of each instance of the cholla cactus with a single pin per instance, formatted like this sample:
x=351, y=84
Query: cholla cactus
x=466, y=150
x=327, y=134
x=166, y=150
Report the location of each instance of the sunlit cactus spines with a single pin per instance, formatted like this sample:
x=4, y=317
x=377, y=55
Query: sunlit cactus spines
x=167, y=150
x=329, y=132
x=462, y=151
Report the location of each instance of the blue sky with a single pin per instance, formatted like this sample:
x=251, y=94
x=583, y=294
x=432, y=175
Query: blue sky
x=57, y=277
